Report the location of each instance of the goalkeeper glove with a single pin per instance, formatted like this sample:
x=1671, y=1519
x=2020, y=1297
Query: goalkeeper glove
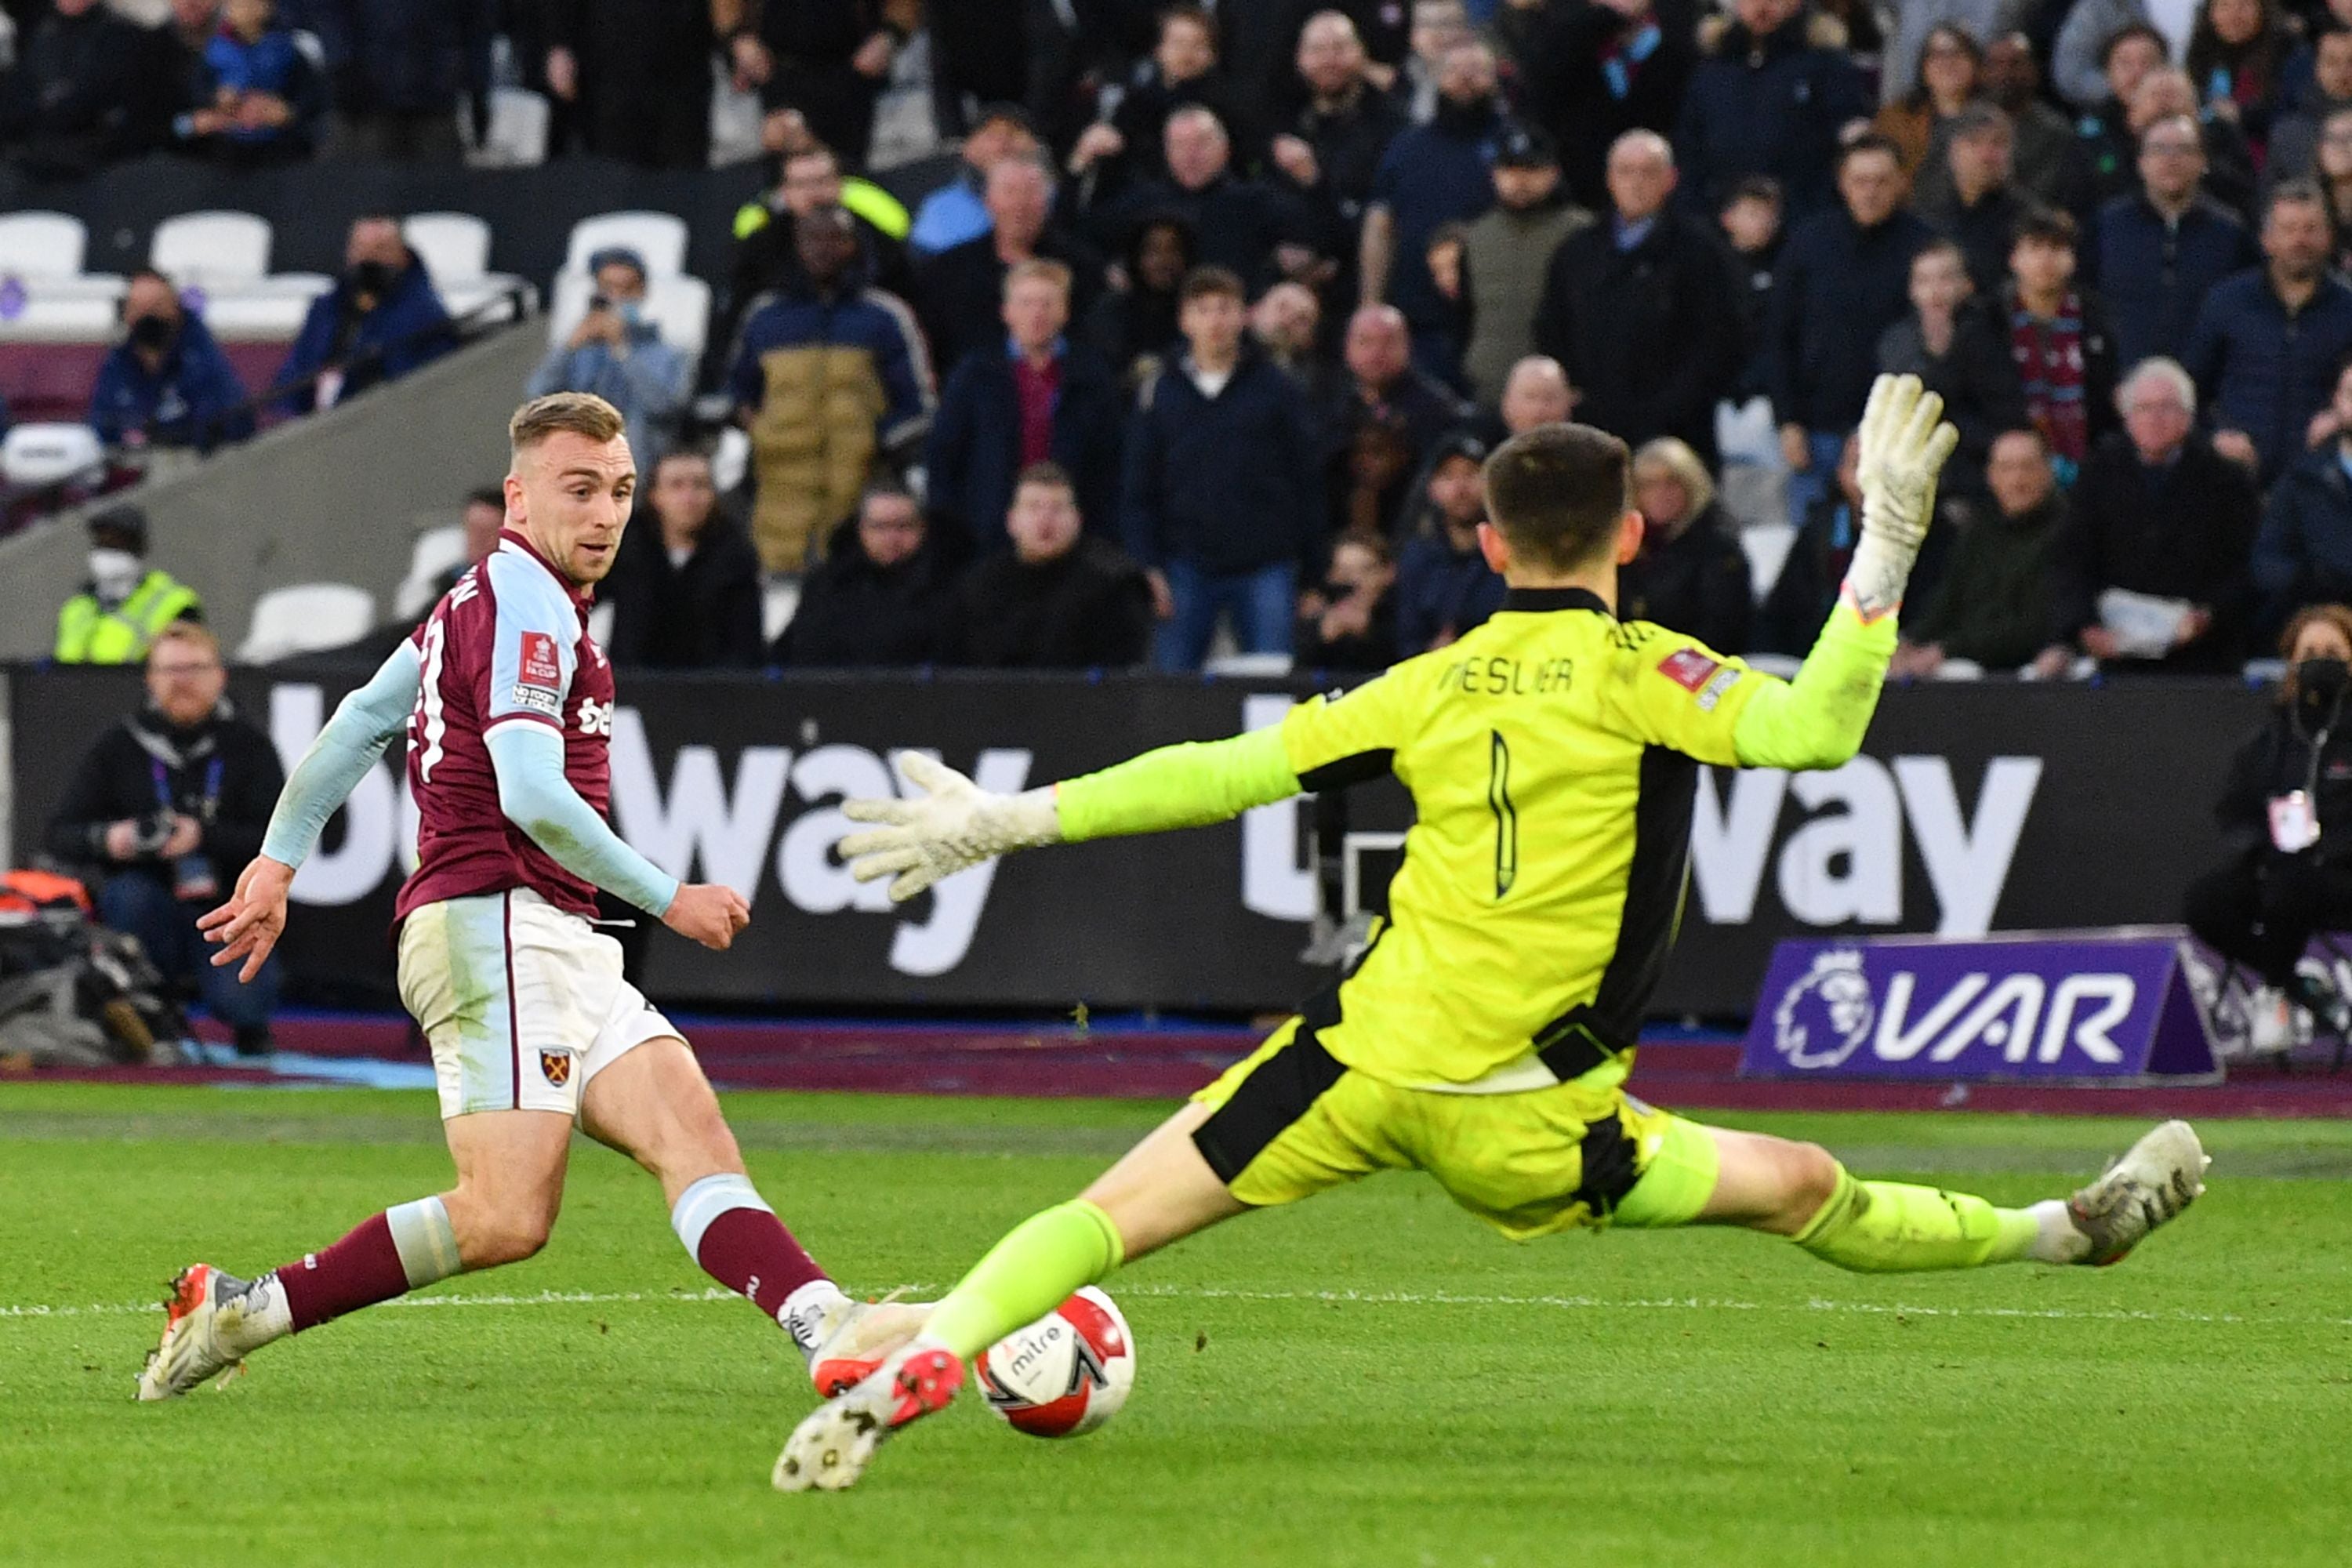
x=1903, y=449
x=953, y=824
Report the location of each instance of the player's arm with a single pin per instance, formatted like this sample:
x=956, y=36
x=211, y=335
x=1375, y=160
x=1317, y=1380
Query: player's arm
x=249, y=924
x=955, y=824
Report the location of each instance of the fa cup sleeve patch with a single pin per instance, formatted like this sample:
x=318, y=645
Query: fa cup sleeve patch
x=1688, y=669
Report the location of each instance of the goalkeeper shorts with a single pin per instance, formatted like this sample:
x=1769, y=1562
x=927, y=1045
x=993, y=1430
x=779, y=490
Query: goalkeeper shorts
x=1289, y=1121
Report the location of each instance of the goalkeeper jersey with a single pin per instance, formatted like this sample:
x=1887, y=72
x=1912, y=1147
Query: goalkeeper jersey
x=1552, y=755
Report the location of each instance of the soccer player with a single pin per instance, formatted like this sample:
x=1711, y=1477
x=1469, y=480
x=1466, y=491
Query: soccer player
x=507, y=702
x=1485, y=1035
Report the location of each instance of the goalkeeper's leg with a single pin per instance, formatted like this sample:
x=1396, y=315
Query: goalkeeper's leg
x=1801, y=1192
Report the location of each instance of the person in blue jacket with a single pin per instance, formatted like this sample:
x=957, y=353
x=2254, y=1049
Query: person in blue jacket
x=167, y=383
x=381, y=321
x=258, y=100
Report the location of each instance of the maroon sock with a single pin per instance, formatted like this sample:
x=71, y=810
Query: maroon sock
x=749, y=1251
x=358, y=1271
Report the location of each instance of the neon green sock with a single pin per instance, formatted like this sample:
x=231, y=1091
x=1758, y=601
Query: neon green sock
x=1027, y=1275
x=1888, y=1227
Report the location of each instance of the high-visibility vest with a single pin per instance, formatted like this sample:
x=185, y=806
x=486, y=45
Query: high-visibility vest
x=863, y=198
x=87, y=633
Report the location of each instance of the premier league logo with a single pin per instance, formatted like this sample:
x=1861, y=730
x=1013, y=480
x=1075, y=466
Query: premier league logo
x=1827, y=1014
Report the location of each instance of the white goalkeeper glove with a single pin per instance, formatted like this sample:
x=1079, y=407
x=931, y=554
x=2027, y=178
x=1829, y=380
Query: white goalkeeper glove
x=954, y=824
x=1903, y=449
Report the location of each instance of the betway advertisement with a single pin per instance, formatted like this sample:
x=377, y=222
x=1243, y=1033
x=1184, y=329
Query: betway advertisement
x=1975, y=808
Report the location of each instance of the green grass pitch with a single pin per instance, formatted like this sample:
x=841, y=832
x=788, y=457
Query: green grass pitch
x=1368, y=1379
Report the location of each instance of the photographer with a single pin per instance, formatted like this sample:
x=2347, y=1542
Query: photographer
x=2286, y=825
x=171, y=804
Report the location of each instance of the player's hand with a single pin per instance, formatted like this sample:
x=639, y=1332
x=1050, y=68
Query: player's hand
x=954, y=824
x=707, y=913
x=248, y=926
x=1903, y=449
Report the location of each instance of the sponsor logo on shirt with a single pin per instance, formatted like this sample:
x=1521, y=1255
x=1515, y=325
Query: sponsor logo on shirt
x=537, y=699
x=1689, y=668
x=1713, y=692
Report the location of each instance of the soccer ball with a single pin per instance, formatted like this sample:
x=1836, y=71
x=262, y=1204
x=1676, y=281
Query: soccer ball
x=1064, y=1374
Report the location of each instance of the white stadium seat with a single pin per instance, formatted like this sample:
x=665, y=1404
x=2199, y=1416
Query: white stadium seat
x=516, y=137
x=437, y=551
x=455, y=247
x=730, y=458
x=45, y=454
x=659, y=238
x=600, y=624
x=68, y=316
x=1248, y=666
x=1767, y=545
x=215, y=249
x=779, y=602
x=308, y=617
x=265, y=309
x=42, y=244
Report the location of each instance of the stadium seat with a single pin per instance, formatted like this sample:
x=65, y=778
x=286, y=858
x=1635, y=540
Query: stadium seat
x=1960, y=669
x=68, y=315
x=308, y=617
x=1247, y=666
x=265, y=308
x=516, y=137
x=214, y=249
x=42, y=244
x=659, y=238
x=600, y=624
x=779, y=601
x=455, y=246
x=45, y=454
x=730, y=458
x=1767, y=545
x=2264, y=671
x=437, y=551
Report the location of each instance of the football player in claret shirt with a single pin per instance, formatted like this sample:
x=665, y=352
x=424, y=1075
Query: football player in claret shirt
x=1485, y=1035
x=507, y=705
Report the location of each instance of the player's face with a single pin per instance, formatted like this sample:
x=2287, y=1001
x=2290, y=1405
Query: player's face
x=570, y=497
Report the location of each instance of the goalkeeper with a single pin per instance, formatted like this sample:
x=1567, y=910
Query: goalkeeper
x=1487, y=1033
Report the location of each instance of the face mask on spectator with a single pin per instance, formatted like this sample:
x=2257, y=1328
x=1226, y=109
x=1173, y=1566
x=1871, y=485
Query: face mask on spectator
x=372, y=278
x=2319, y=683
x=632, y=313
x=114, y=572
x=151, y=332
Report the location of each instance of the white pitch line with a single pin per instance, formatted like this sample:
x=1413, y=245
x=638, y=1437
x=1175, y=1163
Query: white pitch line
x=1345, y=1298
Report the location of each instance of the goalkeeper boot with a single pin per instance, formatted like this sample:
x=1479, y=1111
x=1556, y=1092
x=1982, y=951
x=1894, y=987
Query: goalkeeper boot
x=2156, y=1178
x=210, y=1322
x=851, y=1339
x=831, y=1448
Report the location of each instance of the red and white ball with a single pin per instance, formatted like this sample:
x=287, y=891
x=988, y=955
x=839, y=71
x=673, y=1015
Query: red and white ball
x=1064, y=1374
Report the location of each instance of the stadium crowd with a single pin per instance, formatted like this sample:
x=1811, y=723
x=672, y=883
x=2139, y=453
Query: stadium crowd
x=1221, y=307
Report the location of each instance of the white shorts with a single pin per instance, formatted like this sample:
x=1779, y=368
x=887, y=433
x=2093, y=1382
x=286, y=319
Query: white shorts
x=522, y=1003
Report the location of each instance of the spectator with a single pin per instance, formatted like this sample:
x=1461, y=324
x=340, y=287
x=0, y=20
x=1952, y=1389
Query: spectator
x=2236, y=51
x=1240, y=225
x=190, y=26
x=1432, y=175
x=1135, y=327
x=258, y=100
x=1691, y=575
x=616, y=353
x=1768, y=97
x=958, y=212
x=1061, y=598
x=381, y=321
x=1383, y=392
x=684, y=587
x=170, y=804
x=1993, y=605
x=2083, y=66
x=1031, y=397
x=639, y=73
x=83, y=92
x=829, y=376
x=2046, y=160
x=2302, y=556
x=2317, y=17
x=963, y=288
x=1751, y=227
x=1590, y=72
x=1349, y=623
x=1958, y=351
x=1331, y=150
x=124, y=605
x=2156, y=255
x=2110, y=145
x=1949, y=75
x=2059, y=340
x=766, y=257
x=1978, y=210
x=1443, y=586
x=821, y=64
x=2163, y=93
x=2335, y=179
x=1384, y=33
x=400, y=69
x=879, y=599
x=2268, y=341
x=1504, y=252
x=1215, y=502
x=2285, y=878
x=1537, y=393
x=167, y=383
x=1642, y=310
x=1130, y=147
x=1845, y=279
x=1286, y=323
x=1909, y=52
x=2152, y=567
x=2294, y=136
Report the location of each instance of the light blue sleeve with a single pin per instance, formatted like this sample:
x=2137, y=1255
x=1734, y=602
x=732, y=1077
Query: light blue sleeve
x=532, y=651
x=365, y=723
x=537, y=798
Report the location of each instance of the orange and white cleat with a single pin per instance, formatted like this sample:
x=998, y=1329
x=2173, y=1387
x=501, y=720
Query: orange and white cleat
x=203, y=1317
x=854, y=1339
x=831, y=1448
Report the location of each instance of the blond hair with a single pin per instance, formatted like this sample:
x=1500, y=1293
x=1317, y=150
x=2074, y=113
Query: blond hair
x=187, y=632
x=560, y=413
x=1674, y=457
x=1044, y=268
